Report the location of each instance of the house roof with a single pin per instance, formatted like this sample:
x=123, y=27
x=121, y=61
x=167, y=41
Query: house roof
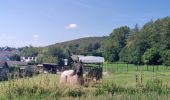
x=16, y=63
x=76, y=57
x=4, y=55
x=54, y=64
x=88, y=59
x=91, y=59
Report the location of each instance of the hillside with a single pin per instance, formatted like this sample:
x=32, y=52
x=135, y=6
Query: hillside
x=85, y=46
x=82, y=42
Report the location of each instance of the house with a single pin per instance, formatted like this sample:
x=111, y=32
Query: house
x=14, y=66
x=6, y=54
x=21, y=67
x=4, y=70
x=16, y=63
x=28, y=59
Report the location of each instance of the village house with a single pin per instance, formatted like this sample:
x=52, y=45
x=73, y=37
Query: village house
x=22, y=68
x=28, y=59
x=6, y=53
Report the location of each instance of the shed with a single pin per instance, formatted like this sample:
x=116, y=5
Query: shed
x=27, y=70
x=91, y=59
x=93, y=65
x=40, y=68
x=50, y=68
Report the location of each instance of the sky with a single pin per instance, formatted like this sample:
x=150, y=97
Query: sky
x=45, y=22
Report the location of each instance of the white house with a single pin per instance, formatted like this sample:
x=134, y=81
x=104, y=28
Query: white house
x=28, y=59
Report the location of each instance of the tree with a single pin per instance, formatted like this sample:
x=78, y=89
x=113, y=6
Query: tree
x=15, y=57
x=29, y=51
x=110, y=53
x=96, y=46
x=152, y=57
x=166, y=57
x=116, y=42
x=54, y=54
x=119, y=36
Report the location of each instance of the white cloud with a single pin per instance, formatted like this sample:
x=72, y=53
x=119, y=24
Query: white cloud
x=71, y=26
x=36, y=36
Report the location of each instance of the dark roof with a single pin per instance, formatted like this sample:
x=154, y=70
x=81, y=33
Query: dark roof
x=54, y=64
x=3, y=64
x=6, y=54
x=16, y=63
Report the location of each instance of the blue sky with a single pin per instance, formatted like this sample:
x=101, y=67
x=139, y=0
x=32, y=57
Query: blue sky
x=45, y=22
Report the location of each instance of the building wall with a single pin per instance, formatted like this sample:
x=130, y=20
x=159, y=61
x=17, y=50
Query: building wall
x=28, y=59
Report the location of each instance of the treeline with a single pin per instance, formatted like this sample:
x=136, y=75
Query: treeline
x=85, y=46
x=147, y=45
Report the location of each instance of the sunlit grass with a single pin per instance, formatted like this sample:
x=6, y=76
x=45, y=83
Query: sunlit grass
x=46, y=86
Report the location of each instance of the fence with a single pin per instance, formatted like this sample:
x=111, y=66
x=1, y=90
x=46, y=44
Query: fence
x=123, y=67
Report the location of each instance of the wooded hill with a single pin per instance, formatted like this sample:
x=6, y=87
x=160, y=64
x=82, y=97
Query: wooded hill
x=83, y=45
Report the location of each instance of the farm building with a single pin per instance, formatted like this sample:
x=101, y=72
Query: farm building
x=4, y=70
x=40, y=68
x=50, y=68
x=27, y=70
x=93, y=65
x=16, y=65
x=21, y=68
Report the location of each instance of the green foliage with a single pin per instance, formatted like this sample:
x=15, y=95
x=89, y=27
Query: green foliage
x=151, y=57
x=32, y=63
x=146, y=45
x=53, y=55
x=87, y=46
x=116, y=42
x=15, y=57
x=29, y=51
x=166, y=57
x=75, y=92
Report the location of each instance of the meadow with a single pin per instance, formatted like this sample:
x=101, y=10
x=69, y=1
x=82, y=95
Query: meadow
x=118, y=84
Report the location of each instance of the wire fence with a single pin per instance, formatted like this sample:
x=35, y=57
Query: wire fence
x=123, y=67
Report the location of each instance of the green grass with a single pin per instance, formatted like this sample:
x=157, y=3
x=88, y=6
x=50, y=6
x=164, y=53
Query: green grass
x=120, y=82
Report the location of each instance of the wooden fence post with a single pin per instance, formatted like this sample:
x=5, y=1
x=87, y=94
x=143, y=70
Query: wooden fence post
x=136, y=78
x=127, y=67
x=117, y=66
x=141, y=78
x=153, y=69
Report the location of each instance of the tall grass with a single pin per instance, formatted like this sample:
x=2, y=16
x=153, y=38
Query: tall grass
x=45, y=87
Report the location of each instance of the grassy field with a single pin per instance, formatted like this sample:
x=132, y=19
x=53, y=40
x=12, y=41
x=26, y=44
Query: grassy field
x=116, y=84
